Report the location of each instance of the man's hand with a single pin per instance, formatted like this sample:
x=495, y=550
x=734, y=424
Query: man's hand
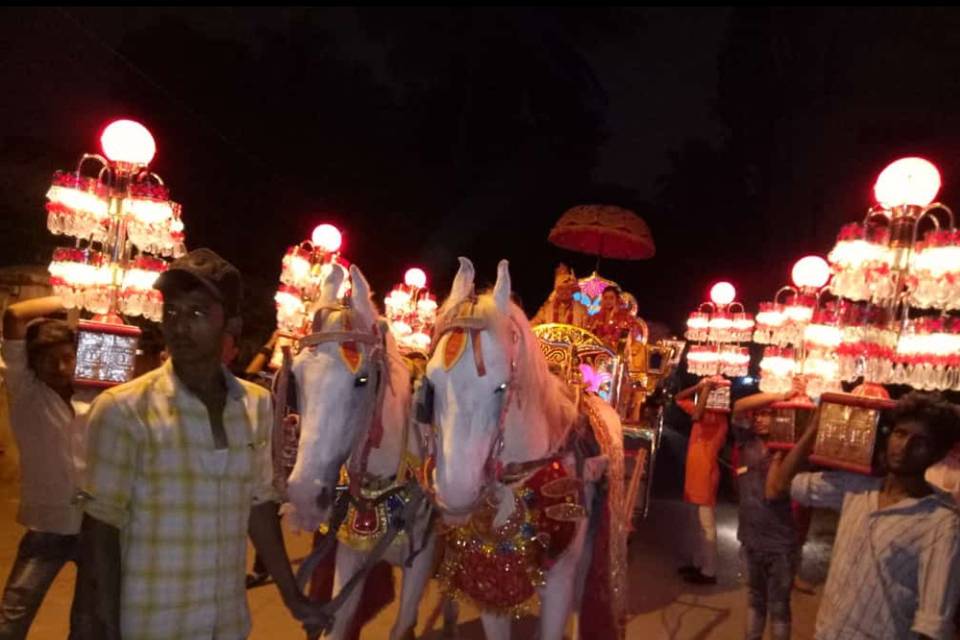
x=18, y=315
x=814, y=425
x=798, y=388
x=781, y=473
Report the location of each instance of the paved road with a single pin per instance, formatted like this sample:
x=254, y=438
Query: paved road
x=662, y=607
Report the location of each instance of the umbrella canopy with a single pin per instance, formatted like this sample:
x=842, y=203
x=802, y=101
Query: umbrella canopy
x=605, y=231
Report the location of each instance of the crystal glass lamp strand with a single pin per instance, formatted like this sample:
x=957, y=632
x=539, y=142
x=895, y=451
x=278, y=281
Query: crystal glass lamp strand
x=899, y=272
x=123, y=223
x=717, y=331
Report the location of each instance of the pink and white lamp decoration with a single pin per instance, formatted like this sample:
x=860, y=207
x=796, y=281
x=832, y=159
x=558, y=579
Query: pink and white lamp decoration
x=303, y=270
x=411, y=311
x=801, y=334
x=901, y=287
x=124, y=224
x=717, y=331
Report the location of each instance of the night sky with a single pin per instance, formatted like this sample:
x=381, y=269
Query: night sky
x=744, y=137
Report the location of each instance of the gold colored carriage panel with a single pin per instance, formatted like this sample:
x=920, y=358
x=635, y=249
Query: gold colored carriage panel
x=566, y=347
x=581, y=339
x=559, y=358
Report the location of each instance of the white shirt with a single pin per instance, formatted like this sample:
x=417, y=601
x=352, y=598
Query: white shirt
x=51, y=436
x=895, y=572
x=945, y=475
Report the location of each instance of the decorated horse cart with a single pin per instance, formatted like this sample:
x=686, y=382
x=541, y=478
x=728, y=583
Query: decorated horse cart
x=624, y=371
x=627, y=380
x=520, y=500
x=509, y=461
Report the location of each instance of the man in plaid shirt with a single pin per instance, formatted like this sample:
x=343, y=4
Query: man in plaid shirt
x=179, y=473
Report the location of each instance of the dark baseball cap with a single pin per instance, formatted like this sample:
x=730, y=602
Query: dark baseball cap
x=210, y=271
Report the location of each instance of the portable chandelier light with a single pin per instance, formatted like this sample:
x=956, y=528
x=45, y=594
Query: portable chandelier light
x=124, y=224
x=801, y=334
x=305, y=266
x=125, y=229
x=717, y=331
x=901, y=288
x=412, y=312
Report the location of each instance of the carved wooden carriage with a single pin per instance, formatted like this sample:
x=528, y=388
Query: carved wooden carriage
x=625, y=380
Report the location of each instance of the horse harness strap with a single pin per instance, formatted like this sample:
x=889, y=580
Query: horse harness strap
x=576, y=444
x=371, y=421
x=465, y=318
x=469, y=323
x=405, y=522
x=364, y=337
x=320, y=551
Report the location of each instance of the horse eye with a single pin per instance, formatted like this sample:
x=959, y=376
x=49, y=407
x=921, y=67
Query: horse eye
x=360, y=381
x=501, y=388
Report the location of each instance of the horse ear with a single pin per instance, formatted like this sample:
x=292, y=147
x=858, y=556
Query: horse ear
x=463, y=283
x=501, y=290
x=360, y=296
x=330, y=289
x=329, y=293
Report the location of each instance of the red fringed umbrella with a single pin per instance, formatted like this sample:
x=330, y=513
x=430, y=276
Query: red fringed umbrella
x=604, y=231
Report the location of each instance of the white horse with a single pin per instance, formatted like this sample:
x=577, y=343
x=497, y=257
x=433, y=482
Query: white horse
x=336, y=392
x=496, y=405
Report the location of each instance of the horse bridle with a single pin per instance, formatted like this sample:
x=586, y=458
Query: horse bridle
x=464, y=317
x=377, y=373
x=357, y=465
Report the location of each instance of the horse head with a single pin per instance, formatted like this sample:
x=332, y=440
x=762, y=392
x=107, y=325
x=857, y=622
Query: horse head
x=492, y=392
x=338, y=370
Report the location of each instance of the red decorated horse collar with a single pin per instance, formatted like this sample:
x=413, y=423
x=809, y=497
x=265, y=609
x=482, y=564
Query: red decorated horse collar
x=500, y=568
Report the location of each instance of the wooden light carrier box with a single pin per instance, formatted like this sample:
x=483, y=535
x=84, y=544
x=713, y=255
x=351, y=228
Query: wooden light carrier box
x=788, y=422
x=106, y=353
x=719, y=398
x=847, y=435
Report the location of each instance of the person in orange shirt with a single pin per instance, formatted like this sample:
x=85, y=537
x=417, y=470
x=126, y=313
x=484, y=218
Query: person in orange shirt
x=702, y=478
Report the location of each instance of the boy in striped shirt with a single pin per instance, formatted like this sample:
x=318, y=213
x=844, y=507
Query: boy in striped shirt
x=895, y=570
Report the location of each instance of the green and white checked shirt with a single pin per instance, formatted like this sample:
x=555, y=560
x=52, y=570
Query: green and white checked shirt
x=181, y=506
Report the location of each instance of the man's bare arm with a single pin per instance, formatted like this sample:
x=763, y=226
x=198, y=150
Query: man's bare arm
x=18, y=315
x=686, y=393
x=264, y=530
x=759, y=400
x=98, y=580
x=705, y=387
x=261, y=359
x=782, y=472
